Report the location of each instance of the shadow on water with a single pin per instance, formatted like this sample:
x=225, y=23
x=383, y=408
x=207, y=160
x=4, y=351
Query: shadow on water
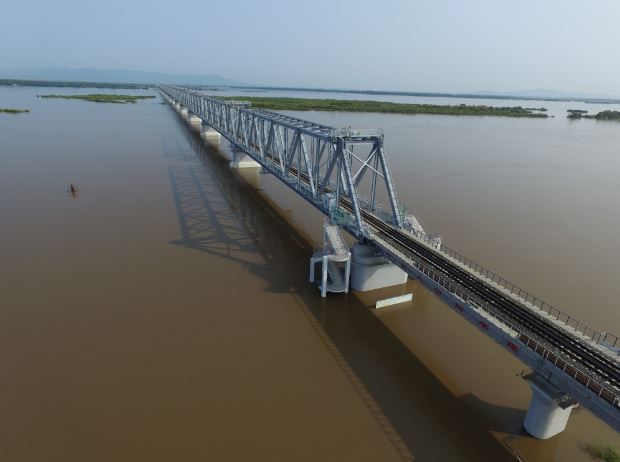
x=502, y=419
x=221, y=214
x=212, y=222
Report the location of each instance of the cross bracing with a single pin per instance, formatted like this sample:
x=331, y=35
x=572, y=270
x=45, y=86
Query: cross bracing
x=322, y=163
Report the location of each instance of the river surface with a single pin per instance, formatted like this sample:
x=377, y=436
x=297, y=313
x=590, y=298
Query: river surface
x=165, y=313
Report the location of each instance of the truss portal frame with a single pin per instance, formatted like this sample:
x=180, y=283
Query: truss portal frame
x=339, y=171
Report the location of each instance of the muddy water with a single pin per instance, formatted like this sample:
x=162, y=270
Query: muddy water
x=537, y=202
x=165, y=313
x=144, y=319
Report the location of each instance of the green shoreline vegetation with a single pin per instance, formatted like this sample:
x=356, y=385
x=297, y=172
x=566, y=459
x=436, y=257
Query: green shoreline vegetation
x=602, y=452
x=303, y=104
x=603, y=115
x=13, y=111
x=69, y=84
x=101, y=98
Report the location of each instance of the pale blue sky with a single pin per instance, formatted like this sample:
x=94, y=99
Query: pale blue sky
x=434, y=45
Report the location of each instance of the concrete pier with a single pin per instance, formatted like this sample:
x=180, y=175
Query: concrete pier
x=209, y=134
x=250, y=176
x=241, y=160
x=194, y=122
x=549, y=408
x=370, y=271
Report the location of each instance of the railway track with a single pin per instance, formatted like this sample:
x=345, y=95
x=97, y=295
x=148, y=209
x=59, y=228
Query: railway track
x=579, y=360
x=565, y=344
x=581, y=352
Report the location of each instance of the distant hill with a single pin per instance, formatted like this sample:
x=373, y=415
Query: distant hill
x=115, y=76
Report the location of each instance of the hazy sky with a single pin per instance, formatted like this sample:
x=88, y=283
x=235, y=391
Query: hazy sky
x=434, y=45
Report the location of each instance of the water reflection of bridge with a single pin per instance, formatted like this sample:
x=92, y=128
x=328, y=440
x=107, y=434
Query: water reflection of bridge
x=221, y=215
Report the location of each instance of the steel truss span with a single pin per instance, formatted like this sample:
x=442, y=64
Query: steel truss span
x=336, y=162
x=340, y=171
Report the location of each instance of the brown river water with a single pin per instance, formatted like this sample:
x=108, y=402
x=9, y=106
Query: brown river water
x=164, y=312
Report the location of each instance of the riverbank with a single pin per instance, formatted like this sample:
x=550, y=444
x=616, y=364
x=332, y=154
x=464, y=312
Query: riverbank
x=69, y=84
x=306, y=104
x=101, y=98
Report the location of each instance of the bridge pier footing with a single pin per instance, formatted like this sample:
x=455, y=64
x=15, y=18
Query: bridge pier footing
x=370, y=270
x=241, y=160
x=250, y=175
x=194, y=122
x=549, y=408
x=209, y=134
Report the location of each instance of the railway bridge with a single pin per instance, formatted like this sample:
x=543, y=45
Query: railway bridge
x=345, y=174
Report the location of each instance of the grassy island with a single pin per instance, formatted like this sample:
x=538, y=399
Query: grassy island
x=603, y=115
x=101, y=98
x=606, y=115
x=13, y=111
x=602, y=452
x=304, y=104
x=576, y=113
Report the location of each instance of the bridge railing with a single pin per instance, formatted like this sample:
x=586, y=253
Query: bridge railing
x=595, y=384
x=606, y=339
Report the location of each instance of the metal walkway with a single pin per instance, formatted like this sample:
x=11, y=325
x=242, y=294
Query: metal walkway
x=344, y=173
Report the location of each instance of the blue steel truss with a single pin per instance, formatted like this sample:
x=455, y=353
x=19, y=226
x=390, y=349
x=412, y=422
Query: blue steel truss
x=321, y=163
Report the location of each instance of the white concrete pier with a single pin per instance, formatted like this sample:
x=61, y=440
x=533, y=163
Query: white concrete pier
x=250, y=176
x=549, y=408
x=194, y=122
x=209, y=134
x=370, y=271
x=241, y=160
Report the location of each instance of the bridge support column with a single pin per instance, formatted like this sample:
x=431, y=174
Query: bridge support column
x=370, y=271
x=184, y=112
x=209, y=134
x=195, y=122
x=549, y=408
x=241, y=160
x=324, y=277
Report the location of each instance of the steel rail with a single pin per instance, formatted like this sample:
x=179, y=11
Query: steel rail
x=526, y=319
x=522, y=315
x=520, y=318
x=579, y=350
